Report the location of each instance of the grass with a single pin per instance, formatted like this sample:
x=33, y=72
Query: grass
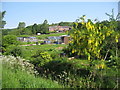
x=25, y=43
x=0, y=74
x=51, y=48
x=20, y=79
x=16, y=78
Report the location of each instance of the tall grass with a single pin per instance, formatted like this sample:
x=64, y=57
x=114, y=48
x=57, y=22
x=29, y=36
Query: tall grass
x=17, y=74
x=0, y=73
x=21, y=79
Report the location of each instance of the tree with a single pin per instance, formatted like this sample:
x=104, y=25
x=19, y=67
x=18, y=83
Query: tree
x=45, y=22
x=21, y=25
x=44, y=27
x=14, y=50
x=113, y=20
x=93, y=40
x=65, y=24
x=34, y=28
x=2, y=22
x=39, y=30
x=9, y=40
x=112, y=17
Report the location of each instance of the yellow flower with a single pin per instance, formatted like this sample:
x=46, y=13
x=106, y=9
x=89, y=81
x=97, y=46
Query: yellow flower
x=102, y=65
x=116, y=39
x=73, y=51
x=99, y=27
x=89, y=57
x=96, y=44
x=89, y=41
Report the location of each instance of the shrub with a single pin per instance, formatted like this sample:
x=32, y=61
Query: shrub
x=41, y=58
x=10, y=40
x=14, y=50
x=93, y=40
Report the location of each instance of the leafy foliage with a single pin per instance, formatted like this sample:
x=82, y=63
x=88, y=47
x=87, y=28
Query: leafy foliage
x=41, y=58
x=14, y=50
x=19, y=73
x=44, y=27
x=9, y=40
x=65, y=24
x=89, y=39
x=21, y=25
x=2, y=22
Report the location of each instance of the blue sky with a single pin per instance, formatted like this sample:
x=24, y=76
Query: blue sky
x=54, y=12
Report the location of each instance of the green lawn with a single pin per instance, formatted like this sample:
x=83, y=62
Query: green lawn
x=0, y=74
x=20, y=79
x=51, y=48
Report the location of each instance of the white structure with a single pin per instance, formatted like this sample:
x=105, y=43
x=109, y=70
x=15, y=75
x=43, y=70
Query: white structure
x=38, y=33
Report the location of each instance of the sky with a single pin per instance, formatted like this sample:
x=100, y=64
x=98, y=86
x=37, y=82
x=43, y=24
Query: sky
x=55, y=12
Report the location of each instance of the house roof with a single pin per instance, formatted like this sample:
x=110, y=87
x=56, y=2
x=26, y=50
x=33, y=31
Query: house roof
x=65, y=36
x=59, y=27
x=54, y=38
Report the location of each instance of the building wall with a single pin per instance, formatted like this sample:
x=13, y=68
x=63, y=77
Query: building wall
x=66, y=40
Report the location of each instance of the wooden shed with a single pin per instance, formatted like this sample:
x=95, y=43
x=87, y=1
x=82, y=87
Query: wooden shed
x=65, y=39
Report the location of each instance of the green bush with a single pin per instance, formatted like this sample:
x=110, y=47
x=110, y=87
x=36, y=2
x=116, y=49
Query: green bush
x=79, y=73
x=41, y=58
x=9, y=40
x=14, y=50
x=65, y=71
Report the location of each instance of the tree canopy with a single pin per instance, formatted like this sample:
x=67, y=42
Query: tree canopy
x=2, y=22
x=21, y=25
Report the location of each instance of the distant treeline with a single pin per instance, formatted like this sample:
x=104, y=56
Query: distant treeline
x=33, y=29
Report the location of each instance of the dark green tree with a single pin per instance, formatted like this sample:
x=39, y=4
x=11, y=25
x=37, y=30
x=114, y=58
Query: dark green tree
x=21, y=25
x=34, y=28
x=14, y=50
x=65, y=24
x=44, y=27
x=2, y=22
x=113, y=19
x=9, y=40
x=39, y=28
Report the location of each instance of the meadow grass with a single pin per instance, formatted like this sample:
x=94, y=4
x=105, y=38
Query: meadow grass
x=0, y=74
x=15, y=78
x=50, y=48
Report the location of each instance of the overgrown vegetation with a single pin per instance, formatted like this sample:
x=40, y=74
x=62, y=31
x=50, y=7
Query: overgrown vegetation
x=90, y=60
x=15, y=75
